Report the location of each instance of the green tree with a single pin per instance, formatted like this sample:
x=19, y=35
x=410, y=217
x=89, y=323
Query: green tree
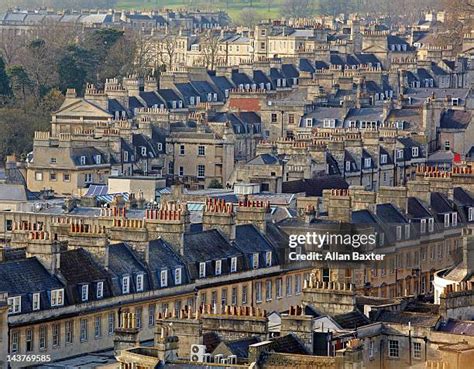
x=215, y=184
x=20, y=83
x=5, y=89
x=75, y=68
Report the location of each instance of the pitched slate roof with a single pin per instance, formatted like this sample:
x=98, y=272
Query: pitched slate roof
x=315, y=186
x=351, y=320
x=455, y=119
x=264, y=159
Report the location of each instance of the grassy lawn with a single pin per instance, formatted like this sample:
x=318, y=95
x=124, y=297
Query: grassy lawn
x=233, y=8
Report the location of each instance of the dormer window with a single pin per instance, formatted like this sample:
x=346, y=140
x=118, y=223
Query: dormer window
x=164, y=278
x=14, y=304
x=446, y=220
x=125, y=156
x=454, y=219
x=255, y=260
x=215, y=97
x=407, y=231
x=36, y=301
x=139, y=282
x=57, y=297
x=143, y=150
x=202, y=270
x=455, y=101
x=399, y=154
x=233, y=264
x=218, y=267
x=414, y=152
x=209, y=97
x=470, y=214
x=268, y=258
x=348, y=166
x=367, y=162
x=309, y=122
x=83, y=160
x=98, y=159
x=125, y=285
x=423, y=226
x=191, y=100
x=383, y=159
x=177, y=276
x=84, y=292
x=399, y=233
x=100, y=290
x=180, y=104
x=430, y=224
x=174, y=104
x=269, y=86
x=400, y=125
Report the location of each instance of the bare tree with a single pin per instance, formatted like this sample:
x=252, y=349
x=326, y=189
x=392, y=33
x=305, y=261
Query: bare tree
x=297, y=8
x=249, y=18
x=210, y=49
x=166, y=50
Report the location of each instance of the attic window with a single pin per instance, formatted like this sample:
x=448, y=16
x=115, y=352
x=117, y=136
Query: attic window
x=202, y=270
x=423, y=226
x=143, y=150
x=125, y=285
x=268, y=258
x=471, y=214
x=399, y=154
x=454, y=219
x=446, y=220
x=177, y=276
x=125, y=156
x=218, y=267
x=233, y=264
x=367, y=162
x=57, y=297
x=84, y=292
x=36, y=301
x=309, y=122
x=100, y=290
x=383, y=159
x=430, y=224
x=83, y=160
x=255, y=260
x=98, y=159
x=164, y=278
x=139, y=282
x=348, y=166
x=414, y=152
x=14, y=304
x=455, y=101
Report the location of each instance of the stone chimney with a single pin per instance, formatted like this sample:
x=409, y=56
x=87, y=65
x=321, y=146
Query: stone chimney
x=393, y=195
x=330, y=298
x=48, y=251
x=187, y=326
x=170, y=223
x=126, y=333
x=362, y=199
x=297, y=322
x=150, y=84
x=419, y=188
x=338, y=205
x=167, y=345
x=97, y=97
x=219, y=215
x=132, y=84
x=253, y=212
